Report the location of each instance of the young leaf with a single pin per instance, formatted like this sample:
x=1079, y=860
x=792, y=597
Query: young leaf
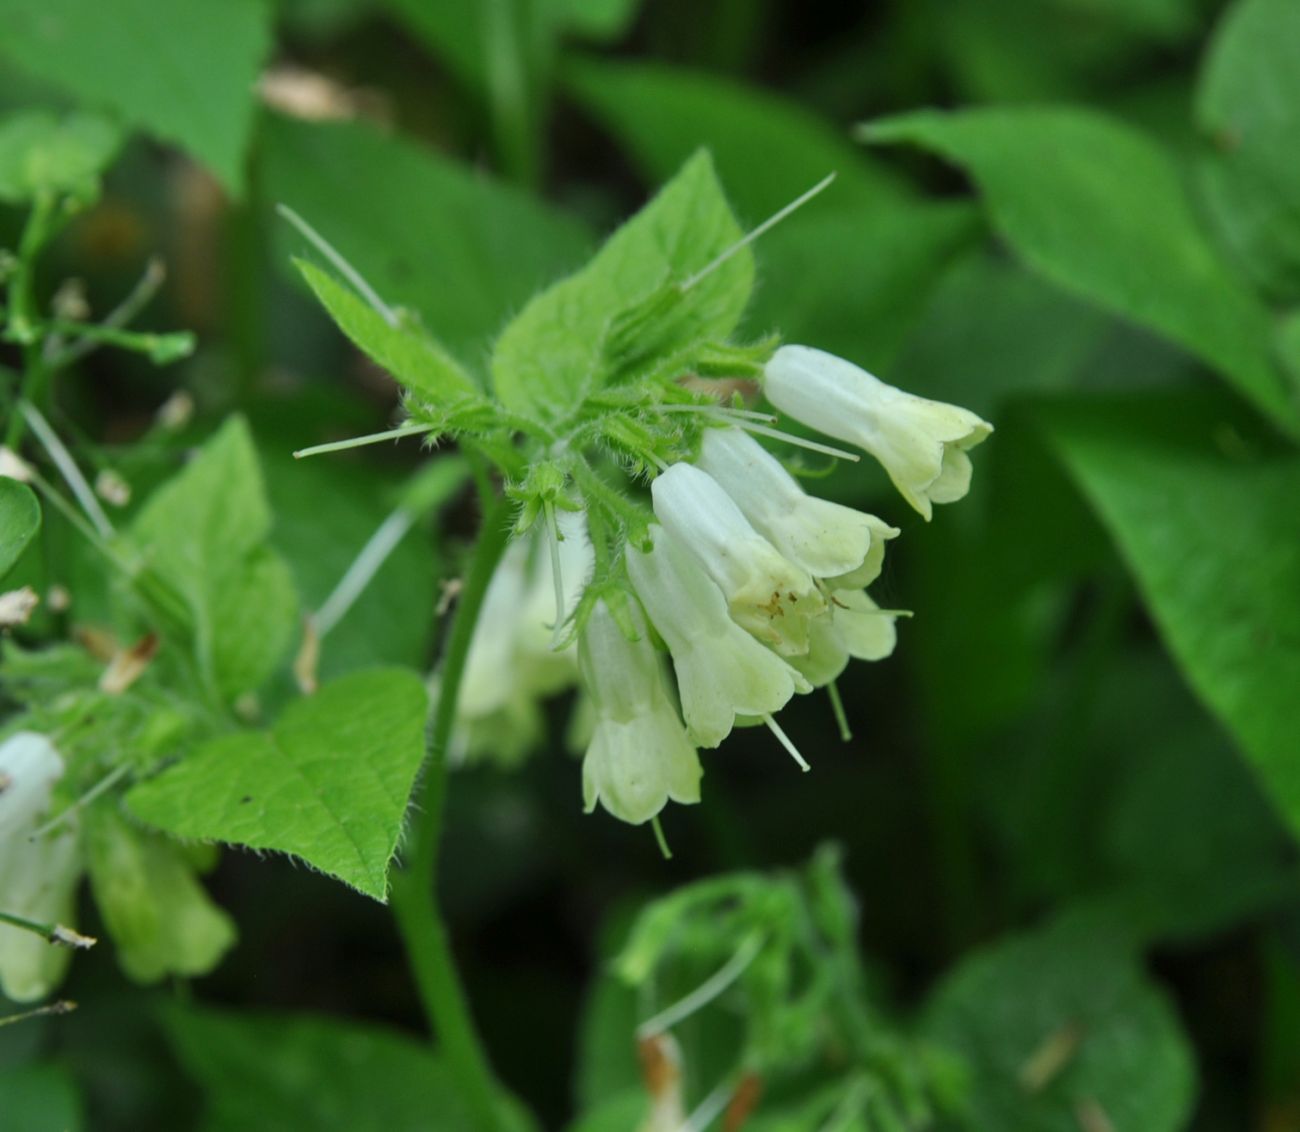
x=20, y=519
x=42, y=153
x=412, y=357
x=204, y=533
x=1060, y=1023
x=1100, y=210
x=427, y=232
x=1249, y=106
x=328, y=783
x=626, y=303
x=184, y=70
x=327, y=1074
x=1207, y=522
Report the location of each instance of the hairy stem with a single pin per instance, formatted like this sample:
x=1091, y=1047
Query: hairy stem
x=414, y=900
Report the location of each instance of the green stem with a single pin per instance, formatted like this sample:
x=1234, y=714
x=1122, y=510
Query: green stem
x=423, y=933
x=22, y=315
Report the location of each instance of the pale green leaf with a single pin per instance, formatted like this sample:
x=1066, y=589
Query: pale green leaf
x=1079, y=988
x=404, y=350
x=328, y=783
x=324, y=1074
x=625, y=308
x=161, y=920
x=767, y=150
x=1249, y=106
x=204, y=534
x=184, y=70
x=1207, y=521
x=460, y=249
x=1100, y=209
x=20, y=519
x=43, y=153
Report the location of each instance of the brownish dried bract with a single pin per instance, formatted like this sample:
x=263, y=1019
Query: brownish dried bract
x=16, y=606
x=127, y=665
x=307, y=661
x=314, y=97
x=100, y=643
x=744, y=1103
x=661, y=1070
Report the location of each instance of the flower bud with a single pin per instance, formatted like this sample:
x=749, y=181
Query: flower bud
x=921, y=444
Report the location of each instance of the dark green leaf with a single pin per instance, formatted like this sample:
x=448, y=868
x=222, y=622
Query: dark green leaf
x=457, y=247
x=328, y=783
x=1100, y=210
x=1206, y=520
x=268, y=1073
x=40, y=1098
x=1249, y=105
x=20, y=519
x=183, y=70
x=1060, y=1022
x=767, y=150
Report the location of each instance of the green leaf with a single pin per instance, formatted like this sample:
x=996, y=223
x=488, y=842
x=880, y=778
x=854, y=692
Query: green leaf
x=20, y=519
x=324, y=1074
x=411, y=356
x=204, y=534
x=1248, y=104
x=161, y=920
x=41, y=1098
x=328, y=783
x=426, y=232
x=626, y=307
x=43, y=153
x=767, y=150
x=1100, y=210
x=184, y=71
x=1077, y=990
x=1206, y=518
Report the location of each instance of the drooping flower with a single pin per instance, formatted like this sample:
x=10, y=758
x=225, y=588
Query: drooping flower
x=766, y=593
x=38, y=874
x=921, y=444
x=512, y=661
x=722, y=671
x=639, y=756
x=826, y=539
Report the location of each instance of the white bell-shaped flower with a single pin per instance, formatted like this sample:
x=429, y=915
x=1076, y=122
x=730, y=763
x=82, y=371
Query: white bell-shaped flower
x=722, y=671
x=38, y=875
x=766, y=593
x=639, y=755
x=826, y=539
x=853, y=626
x=921, y=444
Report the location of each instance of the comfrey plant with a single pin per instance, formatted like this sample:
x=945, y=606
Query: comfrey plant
x=627, y=375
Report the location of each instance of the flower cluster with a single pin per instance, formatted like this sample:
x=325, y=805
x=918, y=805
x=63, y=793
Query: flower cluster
x=757, y=589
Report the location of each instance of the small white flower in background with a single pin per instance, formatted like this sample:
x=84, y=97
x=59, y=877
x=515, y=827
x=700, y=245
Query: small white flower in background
x=722, y=671
x=639, y=756
x=16, y=606
x=921, y=444
x=826, y=539
x=38, y=875
x=766, y=593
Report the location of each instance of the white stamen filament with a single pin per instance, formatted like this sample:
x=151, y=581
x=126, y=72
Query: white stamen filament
x=785, y=741
x=362, y=441
x=350, y=273
x=557, y=577
x=104, y=784
x=709, y=1109
x=363, y=569
x=799, y=441
x=706, y=992
x=68, y=469
x=753, y=235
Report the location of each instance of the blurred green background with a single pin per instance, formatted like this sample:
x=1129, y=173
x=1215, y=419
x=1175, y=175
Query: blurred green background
x=1077, y=781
